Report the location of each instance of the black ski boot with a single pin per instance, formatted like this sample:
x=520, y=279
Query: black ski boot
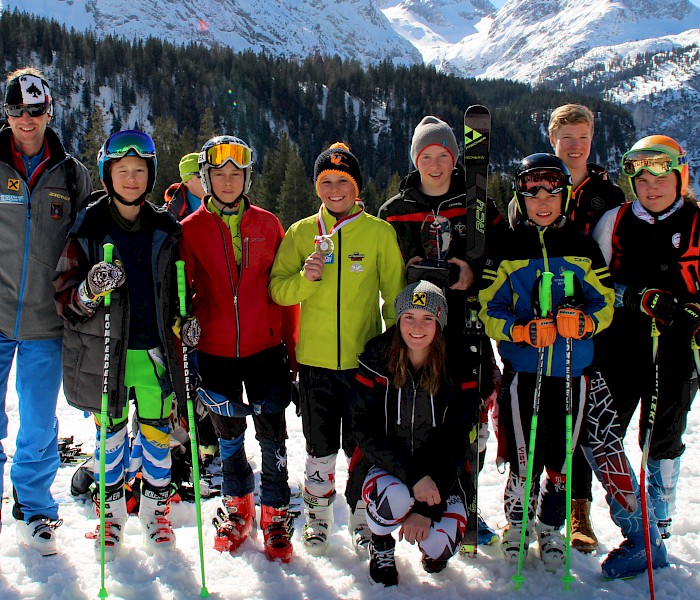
x=382, y=565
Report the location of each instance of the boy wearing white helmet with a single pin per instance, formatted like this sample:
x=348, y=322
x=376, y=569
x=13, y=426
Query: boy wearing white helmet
x=228, y=246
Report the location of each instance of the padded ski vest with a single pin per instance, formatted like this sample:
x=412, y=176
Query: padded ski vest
x=687, y=262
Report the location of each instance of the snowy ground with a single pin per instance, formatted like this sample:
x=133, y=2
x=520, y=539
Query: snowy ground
x=74, y=574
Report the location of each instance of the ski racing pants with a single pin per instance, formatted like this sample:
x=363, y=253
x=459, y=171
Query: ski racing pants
x=35, y=463
x=515, y=406
x=389, y=503
x=268, y=387
x=326, y=400
x=150, y=452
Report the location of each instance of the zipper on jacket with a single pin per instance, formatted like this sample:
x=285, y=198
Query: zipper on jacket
x=25, y=261
x=234, y=289
x=337, y=298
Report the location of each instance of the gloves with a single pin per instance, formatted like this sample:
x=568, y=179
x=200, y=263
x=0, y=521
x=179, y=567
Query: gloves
x=538, y=333
x=689, y=317
x=104, y=277
x=658, y=304
x=188, y=330
x=574, y=323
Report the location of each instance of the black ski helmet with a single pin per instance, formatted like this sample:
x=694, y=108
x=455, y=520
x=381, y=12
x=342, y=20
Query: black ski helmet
x=542, y=162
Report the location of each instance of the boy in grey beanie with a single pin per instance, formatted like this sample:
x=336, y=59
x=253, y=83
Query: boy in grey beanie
x=430, y=131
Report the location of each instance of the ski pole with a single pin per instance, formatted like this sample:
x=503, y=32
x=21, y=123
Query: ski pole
x=568, y=301
x=545, y=305
x=645, y=456
x=181, y=290
x=108, y=251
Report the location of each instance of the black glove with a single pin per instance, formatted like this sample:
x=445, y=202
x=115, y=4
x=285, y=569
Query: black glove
x=688, y=317
x=658, y=304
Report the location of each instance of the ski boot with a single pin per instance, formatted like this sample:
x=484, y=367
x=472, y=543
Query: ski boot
x=157, y=530
x=382, y=564
x=277, y=528
x=319, y=522
x=630, y=558
x=552, y=546
x=510, y=542
x=433, y=565
x=234, y=522
x=360, y=534
x=486, y=535
x=39, y=533
x=115, y=519
x=583, y=537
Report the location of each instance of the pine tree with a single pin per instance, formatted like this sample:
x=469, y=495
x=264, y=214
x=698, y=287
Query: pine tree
x=207, y=128
x=91, y=144
x=296, y=199
x=266, y=188
x=168, y=151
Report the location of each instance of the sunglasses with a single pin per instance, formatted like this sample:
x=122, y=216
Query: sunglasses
x=134, y=142
x=530, y=183
x=33, y=110
x=657, y=162
x=239, y=155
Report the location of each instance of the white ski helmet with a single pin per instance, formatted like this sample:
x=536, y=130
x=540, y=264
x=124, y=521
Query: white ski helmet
x=217, y=151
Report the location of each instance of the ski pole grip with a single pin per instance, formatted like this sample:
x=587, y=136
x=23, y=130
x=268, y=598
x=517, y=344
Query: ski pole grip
x=568, y=284
x=546, y=293
x=108, y=250
x=181, y=288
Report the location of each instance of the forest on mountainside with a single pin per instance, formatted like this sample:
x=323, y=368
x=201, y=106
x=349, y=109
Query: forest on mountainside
x=288, y=110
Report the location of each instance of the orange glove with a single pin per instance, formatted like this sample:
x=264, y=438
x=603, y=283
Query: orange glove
x=538, y=333
x=574, y=323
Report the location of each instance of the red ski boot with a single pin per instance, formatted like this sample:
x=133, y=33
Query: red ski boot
x=277, y=527
x=234, y=522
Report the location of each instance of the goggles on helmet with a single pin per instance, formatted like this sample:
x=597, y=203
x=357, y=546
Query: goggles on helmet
x=33, y=110
x=657, y=162
x=239, y=155
x=126, y=142
x=531, y=182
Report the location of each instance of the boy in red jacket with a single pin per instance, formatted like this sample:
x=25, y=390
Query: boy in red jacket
x=228, y=247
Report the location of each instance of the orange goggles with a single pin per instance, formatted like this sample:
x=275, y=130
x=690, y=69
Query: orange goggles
x=239, y=155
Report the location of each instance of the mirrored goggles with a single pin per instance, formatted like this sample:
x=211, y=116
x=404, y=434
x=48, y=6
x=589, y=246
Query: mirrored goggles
x=657, y=162
x=531, y=182
x=125, y=142
x=239, y=155
x=33, y=110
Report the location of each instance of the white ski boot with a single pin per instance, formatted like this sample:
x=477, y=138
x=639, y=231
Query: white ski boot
x=552, y=546
x=319, y=522
x=39, y=533
x=360, y=534
x=158, y=532
x=115, y=520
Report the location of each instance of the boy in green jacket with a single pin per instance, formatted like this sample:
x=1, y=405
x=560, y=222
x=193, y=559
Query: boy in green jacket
x=335, y=263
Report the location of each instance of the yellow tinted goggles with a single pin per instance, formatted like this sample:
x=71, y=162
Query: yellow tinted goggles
x=239, y=155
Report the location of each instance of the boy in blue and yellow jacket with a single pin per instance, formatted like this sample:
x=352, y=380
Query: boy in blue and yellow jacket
x=542, y=240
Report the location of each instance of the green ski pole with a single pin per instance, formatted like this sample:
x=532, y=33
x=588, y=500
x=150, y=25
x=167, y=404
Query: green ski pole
x=568, y=301
x=108, y=250
x=545, y=296
x=181, y=292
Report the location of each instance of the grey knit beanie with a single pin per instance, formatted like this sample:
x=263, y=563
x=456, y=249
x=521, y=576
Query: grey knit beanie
x=432, y=130
x=422, y=295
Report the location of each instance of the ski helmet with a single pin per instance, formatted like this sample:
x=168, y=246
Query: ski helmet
x=218, y=151
x=545, y=171
x=658, y=154
x=127, y=143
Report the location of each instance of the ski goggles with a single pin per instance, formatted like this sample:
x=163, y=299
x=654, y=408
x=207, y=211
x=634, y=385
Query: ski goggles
x=33, y=110
x=530, y=183
x=657, y=162
x=239, y=155
x=130, y=142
